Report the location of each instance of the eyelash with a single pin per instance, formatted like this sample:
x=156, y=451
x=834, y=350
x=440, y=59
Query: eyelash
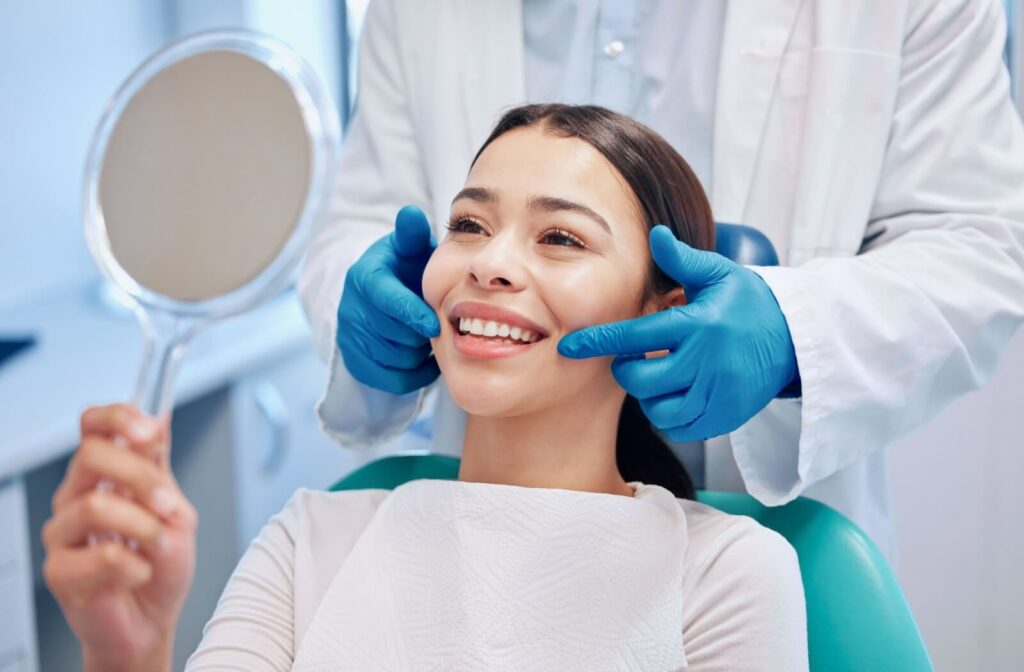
x=457, y=222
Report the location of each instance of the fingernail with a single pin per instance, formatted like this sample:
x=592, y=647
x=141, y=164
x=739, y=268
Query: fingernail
x=162, y=501
x=141, y=431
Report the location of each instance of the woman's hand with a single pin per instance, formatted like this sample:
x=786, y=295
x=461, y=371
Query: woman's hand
x=121, y=599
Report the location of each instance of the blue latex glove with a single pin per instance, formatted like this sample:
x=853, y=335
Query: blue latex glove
x=731, y=350
x=384, y=325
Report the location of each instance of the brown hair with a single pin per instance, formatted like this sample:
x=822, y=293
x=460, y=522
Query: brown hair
x=669, y=193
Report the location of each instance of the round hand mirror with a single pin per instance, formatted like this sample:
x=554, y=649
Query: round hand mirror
x=204, y=182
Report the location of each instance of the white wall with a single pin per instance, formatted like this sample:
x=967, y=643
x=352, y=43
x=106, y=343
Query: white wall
x=59, y=64
x=959, y=520
x=310, y=27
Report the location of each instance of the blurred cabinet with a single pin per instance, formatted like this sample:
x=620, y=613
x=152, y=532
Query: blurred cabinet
x=279, y=446
x=17, y=620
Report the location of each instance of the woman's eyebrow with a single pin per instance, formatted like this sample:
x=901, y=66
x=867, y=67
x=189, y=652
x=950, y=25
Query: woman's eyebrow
x=477, y=194
x=553, y=204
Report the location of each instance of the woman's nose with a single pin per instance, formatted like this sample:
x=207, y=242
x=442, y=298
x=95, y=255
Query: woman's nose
x=495, y=267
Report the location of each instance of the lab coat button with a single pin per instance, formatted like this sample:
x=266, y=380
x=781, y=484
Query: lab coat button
x=614, y=48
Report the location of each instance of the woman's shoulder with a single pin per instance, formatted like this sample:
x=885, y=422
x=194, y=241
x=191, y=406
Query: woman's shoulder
x=320, y=527
x=714, y=534
x=319, y=530
x=312, y=511
x=311, y=501
x=743, y=594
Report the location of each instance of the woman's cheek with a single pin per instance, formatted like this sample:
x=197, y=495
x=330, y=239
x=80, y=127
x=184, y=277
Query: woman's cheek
x=435, y=285
x=596, y=299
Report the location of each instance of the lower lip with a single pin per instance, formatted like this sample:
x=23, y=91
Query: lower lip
x=488, y=348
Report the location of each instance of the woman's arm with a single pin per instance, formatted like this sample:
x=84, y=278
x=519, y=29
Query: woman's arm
x=279, y=583
x=253, y=625
x=744, y=604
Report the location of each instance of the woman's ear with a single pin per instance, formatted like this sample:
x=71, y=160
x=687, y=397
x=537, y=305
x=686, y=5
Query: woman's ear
x=675, y=297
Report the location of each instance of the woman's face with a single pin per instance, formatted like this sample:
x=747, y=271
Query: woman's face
x=545, y=238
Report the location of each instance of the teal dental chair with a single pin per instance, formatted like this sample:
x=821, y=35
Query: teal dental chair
x=857, y=617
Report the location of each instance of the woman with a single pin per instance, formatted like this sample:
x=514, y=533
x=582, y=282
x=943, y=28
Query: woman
x=569, y=540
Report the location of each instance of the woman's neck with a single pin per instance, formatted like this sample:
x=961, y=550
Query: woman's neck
x=571, y=447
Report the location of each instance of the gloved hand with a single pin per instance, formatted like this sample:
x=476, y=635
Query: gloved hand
x=384, y=325
x=731, y=349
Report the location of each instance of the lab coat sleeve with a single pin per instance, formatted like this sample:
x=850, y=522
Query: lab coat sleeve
x=886, y=339
x=380, y=171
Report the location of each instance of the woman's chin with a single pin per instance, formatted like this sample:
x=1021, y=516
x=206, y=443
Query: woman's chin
x=485, y=387
x=489, y=396
x=484, y=404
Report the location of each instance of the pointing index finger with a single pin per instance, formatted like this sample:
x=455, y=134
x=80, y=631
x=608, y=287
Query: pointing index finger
x=640, y=335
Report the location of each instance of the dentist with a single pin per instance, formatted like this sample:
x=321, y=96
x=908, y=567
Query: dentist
x=875, y=145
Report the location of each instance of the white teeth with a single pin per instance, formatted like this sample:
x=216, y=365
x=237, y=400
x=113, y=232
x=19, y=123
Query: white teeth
x=492, y=329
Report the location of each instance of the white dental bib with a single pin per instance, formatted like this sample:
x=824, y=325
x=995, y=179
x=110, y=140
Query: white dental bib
x=452, y=575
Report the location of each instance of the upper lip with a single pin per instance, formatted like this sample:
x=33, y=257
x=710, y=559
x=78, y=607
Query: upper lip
x=489, y=311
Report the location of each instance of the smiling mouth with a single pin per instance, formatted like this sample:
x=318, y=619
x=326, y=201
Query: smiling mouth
x=495, y=331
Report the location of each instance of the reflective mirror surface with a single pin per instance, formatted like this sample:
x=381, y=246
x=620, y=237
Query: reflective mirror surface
x=205, y=176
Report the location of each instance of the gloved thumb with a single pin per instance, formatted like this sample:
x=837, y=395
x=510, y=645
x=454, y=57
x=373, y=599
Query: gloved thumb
x=413, y=238
x=689, y=267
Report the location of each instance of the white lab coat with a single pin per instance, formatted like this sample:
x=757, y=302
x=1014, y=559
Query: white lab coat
x=887, y=122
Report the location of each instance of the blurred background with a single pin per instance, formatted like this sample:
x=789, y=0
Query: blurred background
x=245, y=431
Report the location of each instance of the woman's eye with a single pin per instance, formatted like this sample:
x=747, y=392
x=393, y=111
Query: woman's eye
x=561, y=238
x=463, y=225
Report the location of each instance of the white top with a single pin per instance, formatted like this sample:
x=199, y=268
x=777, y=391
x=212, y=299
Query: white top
x=451, y=575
